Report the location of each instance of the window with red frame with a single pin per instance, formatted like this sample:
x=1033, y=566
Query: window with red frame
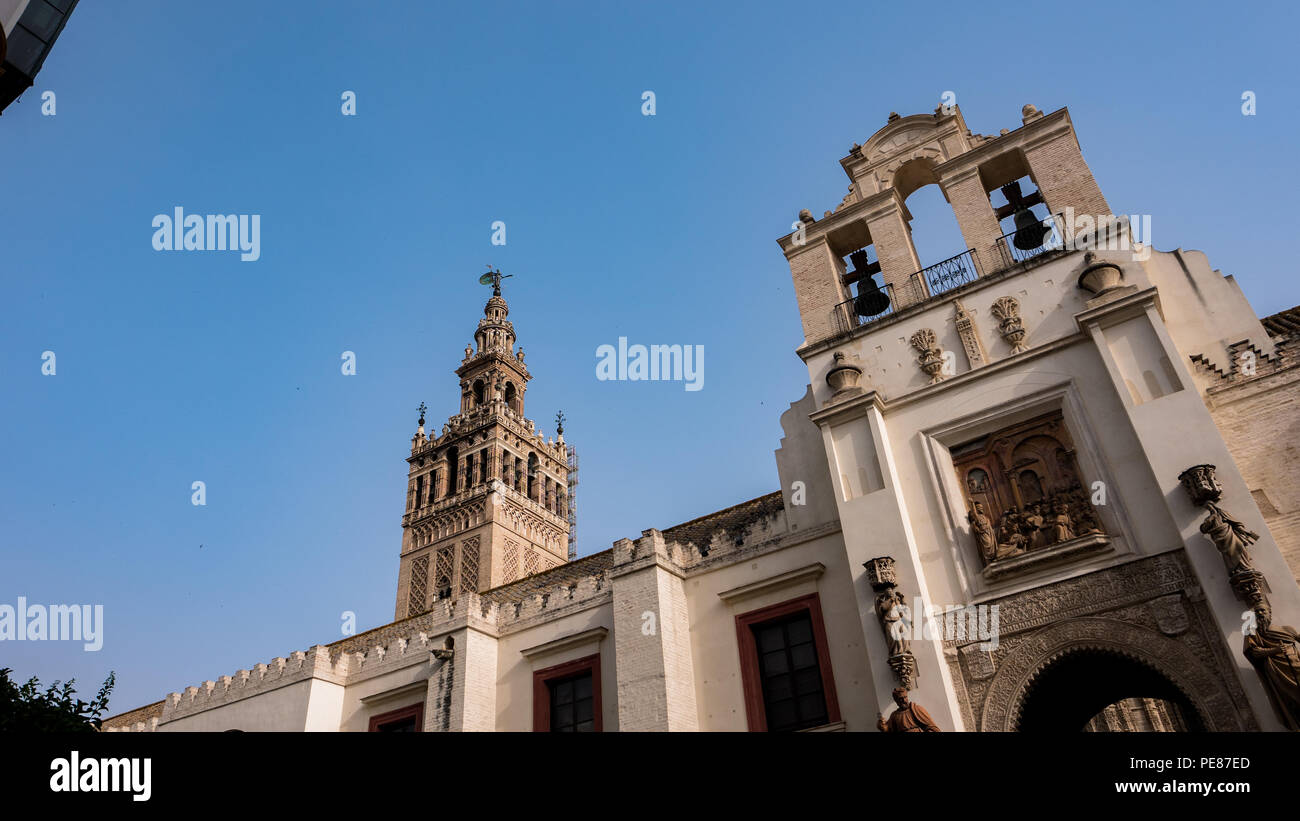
x=406, y=720
x=786, y=668
x=566, y=697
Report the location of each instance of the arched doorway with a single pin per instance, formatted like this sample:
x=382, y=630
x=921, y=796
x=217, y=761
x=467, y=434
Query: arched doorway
x=1220, y=705
x=1091, y=689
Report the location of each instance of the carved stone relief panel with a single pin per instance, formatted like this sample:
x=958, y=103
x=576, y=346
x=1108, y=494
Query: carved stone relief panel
x=1023, y=490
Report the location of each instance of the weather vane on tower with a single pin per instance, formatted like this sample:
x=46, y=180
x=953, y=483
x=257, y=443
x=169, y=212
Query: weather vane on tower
x=493, y=277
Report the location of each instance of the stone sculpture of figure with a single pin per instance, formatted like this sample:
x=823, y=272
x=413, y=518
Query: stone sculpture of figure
x=891, y=607
x=468, y=352
x=1011, y=542
x=1230, y=536
x=982, y=528
x=1275, y=654
x=908, y=718
x=1062, y=526
x=1033, y=527
x=1085, y=519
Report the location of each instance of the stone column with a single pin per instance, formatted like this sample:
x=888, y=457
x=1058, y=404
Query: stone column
x=656, y=676
x=975, y=217
x=816, y=273
x=462, y=690
x=1062, y=175
x=892, y=238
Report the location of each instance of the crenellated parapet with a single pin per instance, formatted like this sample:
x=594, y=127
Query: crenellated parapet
x=280, y=672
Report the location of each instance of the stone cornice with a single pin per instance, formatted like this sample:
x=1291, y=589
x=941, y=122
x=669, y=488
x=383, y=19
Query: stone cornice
x=595, y=634
x=810, y=572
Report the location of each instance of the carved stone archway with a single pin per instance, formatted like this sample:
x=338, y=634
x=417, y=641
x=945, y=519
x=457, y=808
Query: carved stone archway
x=1015, y=677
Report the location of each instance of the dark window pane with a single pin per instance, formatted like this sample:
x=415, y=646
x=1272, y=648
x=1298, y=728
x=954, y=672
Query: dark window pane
x=770, y=638
x=801, y=631
x=572, y=704
x=779, y=687
x=803, y=656
x=563, y=693
x=776, y=663
x=563, y=715
x=790, y=673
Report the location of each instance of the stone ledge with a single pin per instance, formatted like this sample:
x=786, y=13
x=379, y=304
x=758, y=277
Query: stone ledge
x=1038, y=559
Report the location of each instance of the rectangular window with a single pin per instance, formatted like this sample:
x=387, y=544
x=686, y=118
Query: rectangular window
x=785, y=667
x=566, y=698
x=406, y=720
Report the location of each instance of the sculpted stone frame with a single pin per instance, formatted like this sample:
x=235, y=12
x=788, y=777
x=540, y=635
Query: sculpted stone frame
x=965, y=557
x=1169, y=657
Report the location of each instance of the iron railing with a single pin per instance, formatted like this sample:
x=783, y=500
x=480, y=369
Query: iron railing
x=1008, y=254
x=846, y=317
x=953, y=272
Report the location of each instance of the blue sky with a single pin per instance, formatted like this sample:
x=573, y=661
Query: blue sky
x=177, y=367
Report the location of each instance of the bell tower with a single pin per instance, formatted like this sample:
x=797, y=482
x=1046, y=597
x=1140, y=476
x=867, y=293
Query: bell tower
x=486, y=499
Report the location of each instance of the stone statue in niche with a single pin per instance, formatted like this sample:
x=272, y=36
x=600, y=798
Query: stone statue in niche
x=1011, y=542
x=1062, y=526
x=908, y=718
x=895, y=618
x=1231, y=538
x=1274, y=652
x=891, y=607
x=1026, y=471
x=982, y=528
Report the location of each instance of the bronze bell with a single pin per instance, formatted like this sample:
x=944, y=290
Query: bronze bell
x=1031, y=232
x=870, y=299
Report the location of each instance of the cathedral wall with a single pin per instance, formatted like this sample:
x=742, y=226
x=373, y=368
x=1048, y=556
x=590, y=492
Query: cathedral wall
x=542, y=644
x=815, y=566
x=281, y=710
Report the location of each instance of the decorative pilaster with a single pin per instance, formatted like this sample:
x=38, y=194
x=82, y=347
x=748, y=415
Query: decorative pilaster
x=970, y=338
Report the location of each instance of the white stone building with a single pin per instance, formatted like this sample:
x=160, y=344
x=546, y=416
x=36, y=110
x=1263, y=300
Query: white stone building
x=1002, y=433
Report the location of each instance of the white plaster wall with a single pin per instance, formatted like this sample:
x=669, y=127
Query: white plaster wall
x=716, y=653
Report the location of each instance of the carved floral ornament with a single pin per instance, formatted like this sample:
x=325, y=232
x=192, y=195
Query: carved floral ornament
x=931, y=359
x=1007, y=311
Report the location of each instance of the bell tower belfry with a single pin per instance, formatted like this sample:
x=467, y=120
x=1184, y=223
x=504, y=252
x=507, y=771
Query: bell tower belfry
x=486, y=499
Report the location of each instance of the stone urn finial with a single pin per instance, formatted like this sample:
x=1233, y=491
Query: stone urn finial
x=1029, y=113
x=1099, y=276
x=843, y=377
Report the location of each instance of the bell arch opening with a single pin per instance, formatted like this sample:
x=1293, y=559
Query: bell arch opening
x=936, y=234
x=1099, y=690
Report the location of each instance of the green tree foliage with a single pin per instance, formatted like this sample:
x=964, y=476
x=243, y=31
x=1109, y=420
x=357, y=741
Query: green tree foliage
x=26, y=709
